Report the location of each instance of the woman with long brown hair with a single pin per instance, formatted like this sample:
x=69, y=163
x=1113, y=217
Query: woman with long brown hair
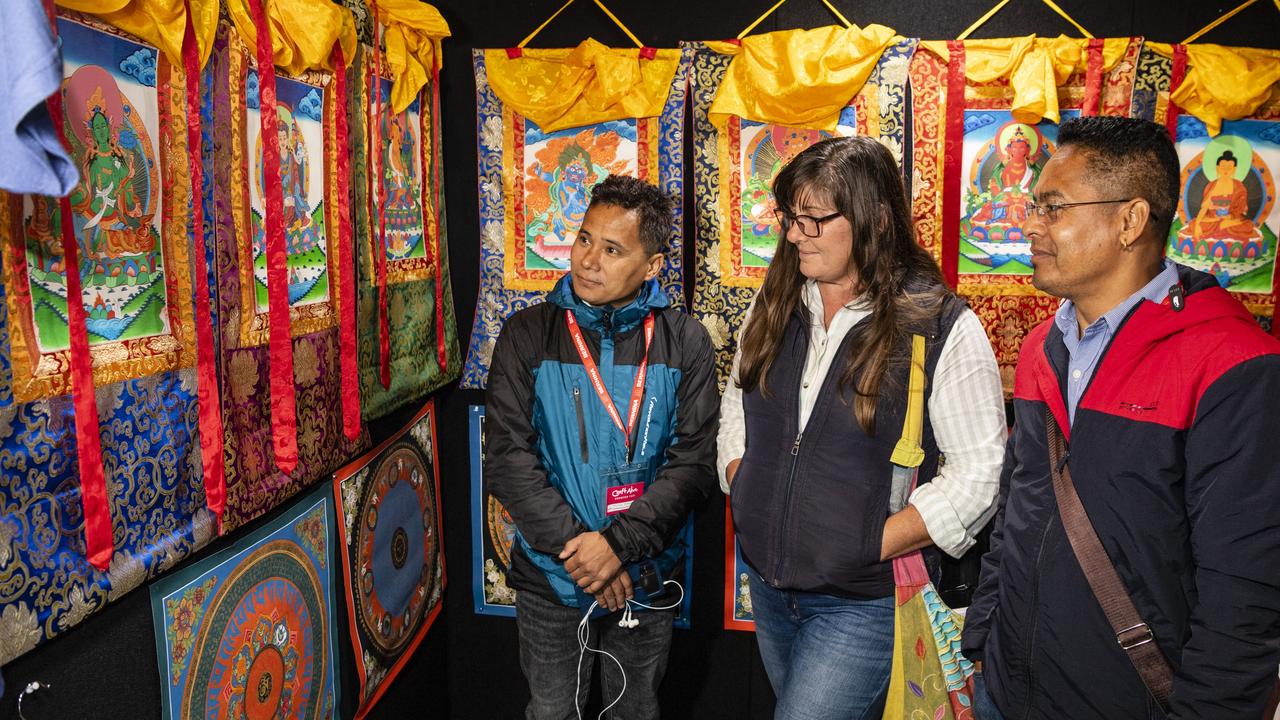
x=814, y=410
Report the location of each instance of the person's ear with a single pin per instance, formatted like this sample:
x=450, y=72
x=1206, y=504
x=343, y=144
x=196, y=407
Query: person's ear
x=1134, y=217
x=656, y=261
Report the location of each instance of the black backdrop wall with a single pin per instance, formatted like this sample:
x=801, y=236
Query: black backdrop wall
x=467, y=667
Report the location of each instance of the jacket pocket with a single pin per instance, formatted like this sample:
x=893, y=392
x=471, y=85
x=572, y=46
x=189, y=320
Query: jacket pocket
x=582, y=424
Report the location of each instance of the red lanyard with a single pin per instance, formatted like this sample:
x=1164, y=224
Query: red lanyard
x=593, y=372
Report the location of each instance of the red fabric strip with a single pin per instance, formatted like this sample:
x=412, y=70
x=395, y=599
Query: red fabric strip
x=98, y=541
x=1179, y=71
x=952, y=158
x=437, y=156
x=380, y=251
x=215, y=482
x=597, y=382
x=1093, y=79
x=346, y=264
x=284, y=418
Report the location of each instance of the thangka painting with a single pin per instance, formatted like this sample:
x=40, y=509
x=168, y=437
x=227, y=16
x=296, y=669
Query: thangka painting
x=535, y=187
x=422, y=331
x=125, y=120
x=308, y=170
x=250, y=631
x=737, y=589
x=388, y=507
x=733, y=175
x=493, y=533
x=1000, y=160
x=1227, y=220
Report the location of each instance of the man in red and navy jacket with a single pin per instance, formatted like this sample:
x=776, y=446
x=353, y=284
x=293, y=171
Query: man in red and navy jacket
x=1169, y=395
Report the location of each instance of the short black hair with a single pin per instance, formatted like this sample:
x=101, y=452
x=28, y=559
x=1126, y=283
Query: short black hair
x=1129, y=158
x=653, y=207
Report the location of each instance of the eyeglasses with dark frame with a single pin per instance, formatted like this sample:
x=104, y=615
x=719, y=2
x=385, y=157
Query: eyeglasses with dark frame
x=1050, y=211
x=809, y=225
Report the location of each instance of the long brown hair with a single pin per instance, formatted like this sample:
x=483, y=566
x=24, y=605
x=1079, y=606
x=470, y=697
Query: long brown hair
x=896, y=277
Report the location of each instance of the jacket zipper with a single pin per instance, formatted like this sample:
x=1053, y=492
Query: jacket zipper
x=786, y=511
x=582, y=424
x=1035, y=602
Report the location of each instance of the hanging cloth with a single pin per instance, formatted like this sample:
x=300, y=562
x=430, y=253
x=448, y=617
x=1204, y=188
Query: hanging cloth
x=799, y=78
x=412, y=35
x=586, y=85
x=1223, y=83
x=161, y=23
x=284, y=415
x=98, y=538
x=207, y=396
x=1034, y=67
x=302, y=32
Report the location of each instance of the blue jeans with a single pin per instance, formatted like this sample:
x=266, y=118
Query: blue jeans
x=983, y=707
x=549, y=658
x=827, y=657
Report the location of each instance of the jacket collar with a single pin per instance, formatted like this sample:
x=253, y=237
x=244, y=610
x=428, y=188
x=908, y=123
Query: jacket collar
x=599, y=319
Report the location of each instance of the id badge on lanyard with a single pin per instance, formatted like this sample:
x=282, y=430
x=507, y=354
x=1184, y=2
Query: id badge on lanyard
x=624, y=483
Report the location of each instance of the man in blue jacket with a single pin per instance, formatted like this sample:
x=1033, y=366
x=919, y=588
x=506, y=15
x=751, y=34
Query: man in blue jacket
x=601, y=420
x=1165, y=388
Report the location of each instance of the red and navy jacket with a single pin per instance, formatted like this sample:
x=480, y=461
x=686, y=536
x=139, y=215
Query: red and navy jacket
x=1175, y=454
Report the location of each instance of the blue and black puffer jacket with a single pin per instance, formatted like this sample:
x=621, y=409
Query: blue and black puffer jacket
x=548, y=438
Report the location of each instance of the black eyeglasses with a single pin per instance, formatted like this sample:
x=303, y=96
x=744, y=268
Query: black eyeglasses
x=1050, y=211
x=809, y=225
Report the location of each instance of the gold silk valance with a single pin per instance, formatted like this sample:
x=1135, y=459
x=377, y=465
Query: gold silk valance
x=586, y=85
x=799, y=78
x=161, y=23
x=303, y=32
x=1223, y=83
x=412, y=37
x=1033, y=66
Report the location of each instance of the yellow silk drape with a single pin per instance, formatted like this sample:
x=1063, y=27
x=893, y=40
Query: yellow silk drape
x=303, y=32
x=161, y=23
x=800, y=78
x=589, y=84
x=1224, y=83
x=413, y=31
x=1034, y=67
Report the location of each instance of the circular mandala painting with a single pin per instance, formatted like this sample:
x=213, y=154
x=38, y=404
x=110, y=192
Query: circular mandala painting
x=396, y=550
x=261, y=653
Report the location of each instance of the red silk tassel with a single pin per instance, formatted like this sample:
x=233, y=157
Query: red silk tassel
x=215, y=481
x=953, y=155
x=284, y=418
x=346, y=264
x=1093, y=79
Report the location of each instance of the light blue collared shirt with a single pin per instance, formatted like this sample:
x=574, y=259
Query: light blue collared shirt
x=1084, y=350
